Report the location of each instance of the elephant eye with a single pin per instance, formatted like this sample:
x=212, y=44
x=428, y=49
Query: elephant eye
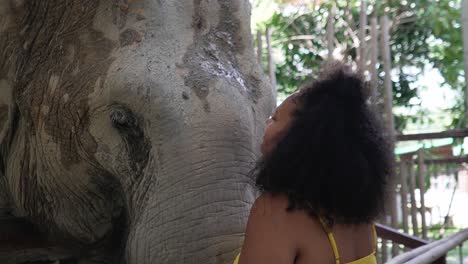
x=129, y=127
x=122, y=118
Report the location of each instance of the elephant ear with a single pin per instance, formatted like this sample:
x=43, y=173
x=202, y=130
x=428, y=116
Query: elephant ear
x=4, y=120
x=7, y=65
x=7, y=106
x=8, y=124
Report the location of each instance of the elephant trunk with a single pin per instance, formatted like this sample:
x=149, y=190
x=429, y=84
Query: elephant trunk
x=196, y=210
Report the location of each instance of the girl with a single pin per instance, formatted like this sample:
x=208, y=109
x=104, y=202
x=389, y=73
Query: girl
x=323, y=177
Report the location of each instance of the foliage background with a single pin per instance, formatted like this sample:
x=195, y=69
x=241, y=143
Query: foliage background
x=426, y=41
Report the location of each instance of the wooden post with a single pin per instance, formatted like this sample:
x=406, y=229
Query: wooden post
x=452, y=177
x=331, y=31
x=422, y=190
x=435, y=169
x=259, y=49
x=374, y=57
x=404, y=194
x=388, y=102
x=464, y=22
x=383, y=250
x=460, y=253
x=414, y=213
x=362, y=37
x=387, y=65
x=271, y=64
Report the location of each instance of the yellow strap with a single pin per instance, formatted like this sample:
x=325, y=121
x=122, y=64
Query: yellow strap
x=375, y=238
x=335, y=247
x=236, y=261
x=331, y=238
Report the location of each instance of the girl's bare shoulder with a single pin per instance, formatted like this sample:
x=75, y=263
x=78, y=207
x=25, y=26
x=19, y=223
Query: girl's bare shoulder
x=298, y=222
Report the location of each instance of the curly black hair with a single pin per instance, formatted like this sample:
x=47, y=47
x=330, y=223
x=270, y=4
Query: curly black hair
x=334, y=160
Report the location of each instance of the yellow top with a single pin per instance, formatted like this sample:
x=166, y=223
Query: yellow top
x=370, y=259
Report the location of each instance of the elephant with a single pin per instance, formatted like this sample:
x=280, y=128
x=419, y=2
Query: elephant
x=128, y=128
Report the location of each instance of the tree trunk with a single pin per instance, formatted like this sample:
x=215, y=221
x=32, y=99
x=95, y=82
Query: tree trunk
x=259, y=49
x=362, y=36
x=271, y=62
x=331, y=32
x=387, y=65
x=373, y=64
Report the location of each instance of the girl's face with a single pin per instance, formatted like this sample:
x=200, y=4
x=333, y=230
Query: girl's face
x=278, y=125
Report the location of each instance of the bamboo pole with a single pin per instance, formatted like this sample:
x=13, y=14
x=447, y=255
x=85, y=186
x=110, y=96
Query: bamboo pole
x=271, y=64
x=259, y=48
x=374, y=57
x=331, y=32
x=362, y=36
x=414, y=213
x=404, y=194
x=422, y=190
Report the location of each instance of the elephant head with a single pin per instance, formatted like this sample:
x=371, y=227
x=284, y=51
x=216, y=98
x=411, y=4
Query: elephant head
x=128, y=127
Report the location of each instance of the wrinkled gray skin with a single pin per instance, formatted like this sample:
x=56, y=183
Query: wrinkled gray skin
x=127, y=128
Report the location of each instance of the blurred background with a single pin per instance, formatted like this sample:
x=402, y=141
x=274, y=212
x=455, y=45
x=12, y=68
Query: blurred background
x=412, y=54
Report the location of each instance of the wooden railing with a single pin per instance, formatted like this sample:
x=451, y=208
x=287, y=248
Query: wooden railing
x=455, y=133
x=411, y=173
x=432, y=252
x=410, y=242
